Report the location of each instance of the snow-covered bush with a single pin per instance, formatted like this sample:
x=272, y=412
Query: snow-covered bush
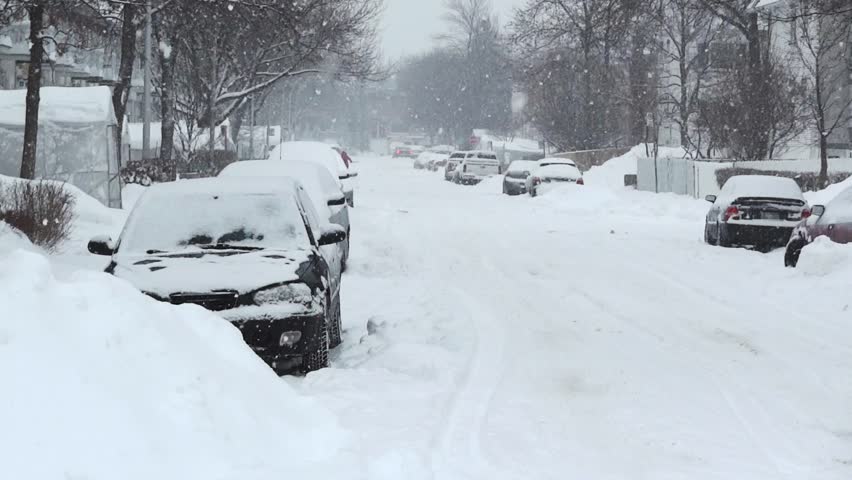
x=41, y=210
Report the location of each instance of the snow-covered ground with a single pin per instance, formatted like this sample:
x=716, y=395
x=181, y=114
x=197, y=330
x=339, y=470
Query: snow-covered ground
x=587, y=333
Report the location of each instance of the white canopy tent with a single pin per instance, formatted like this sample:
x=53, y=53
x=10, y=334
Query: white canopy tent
x=76, y=139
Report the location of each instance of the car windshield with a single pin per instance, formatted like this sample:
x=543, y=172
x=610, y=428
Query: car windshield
x=164, y=224
x=838, y=210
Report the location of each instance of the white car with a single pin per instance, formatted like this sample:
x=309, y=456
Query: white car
x=323, y=188
x=477, y=166
x=551, y=173
x=515, y=181
x=324, y=155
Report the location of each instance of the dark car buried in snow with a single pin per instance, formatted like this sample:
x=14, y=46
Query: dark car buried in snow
x=833, y=221
x=250, y=251
x=755, y=211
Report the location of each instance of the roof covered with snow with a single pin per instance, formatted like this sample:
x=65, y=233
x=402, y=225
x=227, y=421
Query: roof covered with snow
x=761, y=186
x=70, y=105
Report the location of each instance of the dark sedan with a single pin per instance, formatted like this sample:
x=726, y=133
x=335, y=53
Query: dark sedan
x=833, y=221
x=755, y=211
x=250, y=251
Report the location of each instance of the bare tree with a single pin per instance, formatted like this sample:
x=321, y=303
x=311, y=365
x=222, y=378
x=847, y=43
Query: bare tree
x=684, y=29
x=822, y=46
x=744, y=18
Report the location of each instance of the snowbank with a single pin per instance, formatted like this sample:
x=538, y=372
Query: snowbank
x=824, y=257
x=101, y=382
x=611, y=173
x=11, y=240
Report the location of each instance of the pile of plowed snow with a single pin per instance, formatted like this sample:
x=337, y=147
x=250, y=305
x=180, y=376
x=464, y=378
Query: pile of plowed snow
x=611, y=173
x=824, y=257
x=102, y=382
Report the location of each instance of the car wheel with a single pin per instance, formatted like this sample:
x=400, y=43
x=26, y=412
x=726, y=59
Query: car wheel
x=708, y=239
x=317, y=359
x=335, y=335
x=794, y=250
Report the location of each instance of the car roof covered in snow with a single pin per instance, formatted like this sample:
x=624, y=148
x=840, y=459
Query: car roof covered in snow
x=320, y=184
x=235, y=186
x=522, y=166
x=760, y=186
x=557, y=161
x=558, y=170
x=316, y=152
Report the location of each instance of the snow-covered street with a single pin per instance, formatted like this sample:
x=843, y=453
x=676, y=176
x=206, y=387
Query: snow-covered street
x=588, y=333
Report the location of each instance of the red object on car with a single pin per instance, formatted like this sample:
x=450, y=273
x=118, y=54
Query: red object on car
x=346, y=159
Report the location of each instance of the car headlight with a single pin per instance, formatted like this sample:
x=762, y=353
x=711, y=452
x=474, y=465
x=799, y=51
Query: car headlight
x=295, y=293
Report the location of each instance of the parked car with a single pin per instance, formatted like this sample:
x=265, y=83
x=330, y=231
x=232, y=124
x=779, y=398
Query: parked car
x=833, y=221
x=551, y=173
x=407, y=151
x=426, y=160
x=323, y=154
x=755, y=211
x=324, y=190
x=451, y=169
x=249, y=251
x=477, y=166
x=514, y=182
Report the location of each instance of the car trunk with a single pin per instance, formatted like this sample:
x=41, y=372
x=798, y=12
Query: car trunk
x=760, y=209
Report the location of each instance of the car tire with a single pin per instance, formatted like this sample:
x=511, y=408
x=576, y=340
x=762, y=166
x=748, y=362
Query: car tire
x=335, y=334
x=708, y=238
x=794, y=250
x=317, y=359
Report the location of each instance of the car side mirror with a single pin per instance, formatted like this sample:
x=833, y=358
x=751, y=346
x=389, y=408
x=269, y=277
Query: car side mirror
x=710, y=198
x=331, y=234
x=818, y=210
x=101, y=245
x=337, y=202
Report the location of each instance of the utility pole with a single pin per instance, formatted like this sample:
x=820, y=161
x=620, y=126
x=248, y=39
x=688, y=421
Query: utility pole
x=146, y=93
x=251, y=127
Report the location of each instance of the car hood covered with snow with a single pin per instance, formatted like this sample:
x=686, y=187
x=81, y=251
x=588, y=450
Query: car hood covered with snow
x=201, y=271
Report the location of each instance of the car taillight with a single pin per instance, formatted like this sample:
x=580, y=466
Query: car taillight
x=580, y=182
x=536, y=181
x=464, y=169
x=732, y=212
x=806, y=213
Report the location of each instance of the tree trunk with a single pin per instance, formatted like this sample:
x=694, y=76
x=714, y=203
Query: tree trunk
x=28, y=158
x=167, y=106
x=121, y=92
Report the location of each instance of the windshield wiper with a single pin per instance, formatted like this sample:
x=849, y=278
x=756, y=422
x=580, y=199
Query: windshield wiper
x=154, y=252
x=228, y=246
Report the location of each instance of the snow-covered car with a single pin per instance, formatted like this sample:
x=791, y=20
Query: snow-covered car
x=324, y=155
x=250, y=251
x=323, y=188
x=549, y=175
x=430, y=160
x=407, y=151
x=477, y=166
x=451, y=169
x=546, y=162
x=514, y=182
x=756, y=211
x=833, y=221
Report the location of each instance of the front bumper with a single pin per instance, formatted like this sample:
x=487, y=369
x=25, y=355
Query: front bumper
x=758, y=235
x=264, y=335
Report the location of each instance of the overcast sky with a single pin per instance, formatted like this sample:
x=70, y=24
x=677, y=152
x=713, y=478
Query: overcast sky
x=409, y=26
